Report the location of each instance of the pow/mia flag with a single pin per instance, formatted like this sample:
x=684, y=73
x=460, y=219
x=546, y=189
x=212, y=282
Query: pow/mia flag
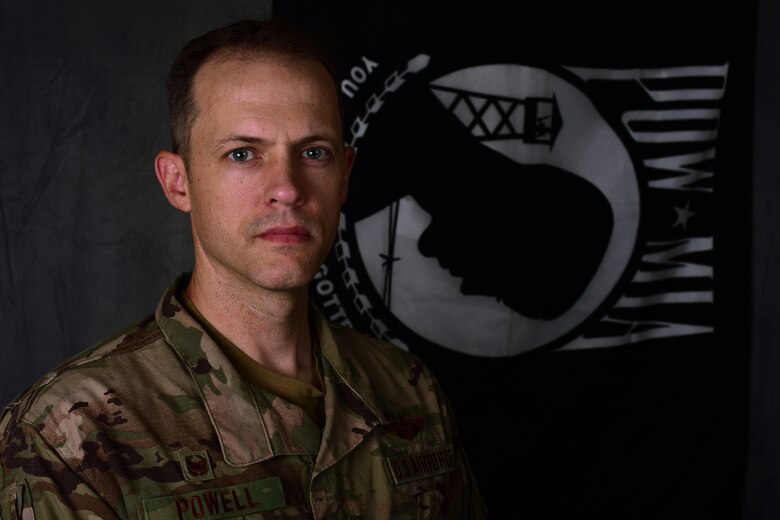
x=545, y=206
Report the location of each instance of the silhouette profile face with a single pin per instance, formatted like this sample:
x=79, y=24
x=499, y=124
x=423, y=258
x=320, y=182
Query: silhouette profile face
x=530, y=236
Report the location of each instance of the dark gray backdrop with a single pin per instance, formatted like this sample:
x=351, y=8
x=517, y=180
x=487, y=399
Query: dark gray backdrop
x=88, y=242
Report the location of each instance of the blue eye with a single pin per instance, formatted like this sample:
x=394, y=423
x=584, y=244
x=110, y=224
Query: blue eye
x=315, y=153
x=240, y=155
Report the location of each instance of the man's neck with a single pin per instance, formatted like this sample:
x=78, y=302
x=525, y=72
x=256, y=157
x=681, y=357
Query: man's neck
x=271, y=327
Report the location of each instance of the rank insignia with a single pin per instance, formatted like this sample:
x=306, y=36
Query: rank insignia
x=195, y=465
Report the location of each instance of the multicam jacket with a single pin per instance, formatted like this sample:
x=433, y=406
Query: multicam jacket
x=157, y=424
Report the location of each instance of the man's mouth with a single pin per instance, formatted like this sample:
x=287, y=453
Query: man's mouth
x=286, y=235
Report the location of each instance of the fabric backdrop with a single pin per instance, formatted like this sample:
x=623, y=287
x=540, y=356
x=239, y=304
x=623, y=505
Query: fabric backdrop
x=546, y=205
x=88, y=242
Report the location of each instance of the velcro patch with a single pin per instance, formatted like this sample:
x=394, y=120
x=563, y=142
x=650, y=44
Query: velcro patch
x=405, y=468
x=224, y=502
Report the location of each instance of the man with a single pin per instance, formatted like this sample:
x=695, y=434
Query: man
x=237, y=398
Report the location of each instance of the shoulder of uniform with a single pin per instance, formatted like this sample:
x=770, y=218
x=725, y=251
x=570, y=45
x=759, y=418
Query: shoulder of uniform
x=128, y=339
x=383, y=363
x=131, y=338
x=351, y=337
x=393, y=380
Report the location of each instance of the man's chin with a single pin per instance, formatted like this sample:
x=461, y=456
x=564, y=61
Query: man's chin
x=282, y=279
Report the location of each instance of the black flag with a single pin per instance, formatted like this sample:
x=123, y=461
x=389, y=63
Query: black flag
x=545, y=206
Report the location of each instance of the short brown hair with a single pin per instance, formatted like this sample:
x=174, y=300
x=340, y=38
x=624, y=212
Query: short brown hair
x=245, y=39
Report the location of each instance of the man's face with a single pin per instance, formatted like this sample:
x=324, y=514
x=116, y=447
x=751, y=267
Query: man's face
x=268, y=171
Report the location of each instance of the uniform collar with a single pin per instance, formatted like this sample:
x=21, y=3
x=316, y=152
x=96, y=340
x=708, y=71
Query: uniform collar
x=352, y=408
x=228, y=399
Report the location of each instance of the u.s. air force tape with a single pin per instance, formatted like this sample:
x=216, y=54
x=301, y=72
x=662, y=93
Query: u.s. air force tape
x=415, y=466
x=224, y=502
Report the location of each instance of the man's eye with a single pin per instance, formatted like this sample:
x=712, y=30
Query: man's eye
x=315, y=153
x=240, y=155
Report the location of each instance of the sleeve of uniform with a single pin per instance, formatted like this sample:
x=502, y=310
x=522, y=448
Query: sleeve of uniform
x=472, y=505
x=38, y=485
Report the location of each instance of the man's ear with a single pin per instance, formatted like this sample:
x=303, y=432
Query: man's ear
x=170, y=171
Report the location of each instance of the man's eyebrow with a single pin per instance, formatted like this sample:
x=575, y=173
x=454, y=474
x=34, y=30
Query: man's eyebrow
x=237, y=138
x=316, y=137
x=331, y=139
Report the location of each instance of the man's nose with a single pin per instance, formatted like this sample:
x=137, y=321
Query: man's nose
x=285, y=183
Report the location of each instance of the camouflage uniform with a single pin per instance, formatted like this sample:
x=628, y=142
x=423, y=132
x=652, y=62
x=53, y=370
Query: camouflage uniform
x=157, y=424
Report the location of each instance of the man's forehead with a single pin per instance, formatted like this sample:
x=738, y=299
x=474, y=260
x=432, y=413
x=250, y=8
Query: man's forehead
x=227, y=59
x=263, y=77
x=243, y=95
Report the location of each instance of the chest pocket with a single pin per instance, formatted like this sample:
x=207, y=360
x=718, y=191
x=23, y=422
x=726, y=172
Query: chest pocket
x=424, y=472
